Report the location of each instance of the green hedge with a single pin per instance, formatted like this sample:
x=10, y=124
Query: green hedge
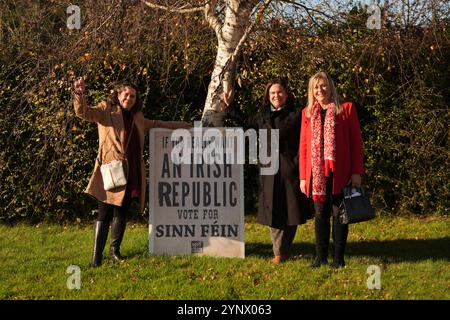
x=398, y=78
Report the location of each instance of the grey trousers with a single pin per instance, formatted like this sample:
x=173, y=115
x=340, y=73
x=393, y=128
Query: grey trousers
x=282, y=239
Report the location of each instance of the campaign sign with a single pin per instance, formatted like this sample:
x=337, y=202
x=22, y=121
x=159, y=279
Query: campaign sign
x=196, y=206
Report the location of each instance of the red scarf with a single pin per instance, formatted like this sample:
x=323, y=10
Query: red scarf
x=323, y=149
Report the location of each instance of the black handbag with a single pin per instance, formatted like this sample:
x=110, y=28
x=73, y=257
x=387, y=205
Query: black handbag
x=355, y=207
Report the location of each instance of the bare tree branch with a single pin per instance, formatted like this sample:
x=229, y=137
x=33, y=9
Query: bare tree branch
x=308, y=9
x=212, y=18
x=183, y=9
x=248, y=30
x=229, y=92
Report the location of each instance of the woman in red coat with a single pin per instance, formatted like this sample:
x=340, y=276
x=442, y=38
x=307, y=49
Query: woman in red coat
x=331, y=157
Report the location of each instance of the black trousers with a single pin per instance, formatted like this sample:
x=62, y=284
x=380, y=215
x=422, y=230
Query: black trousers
x=322, y=214
x=107, y=211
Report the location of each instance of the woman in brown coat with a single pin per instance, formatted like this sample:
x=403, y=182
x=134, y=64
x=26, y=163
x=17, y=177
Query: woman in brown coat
x=121, y=130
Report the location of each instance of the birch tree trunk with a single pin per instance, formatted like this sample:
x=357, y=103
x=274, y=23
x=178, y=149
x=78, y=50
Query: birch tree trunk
x=229, y=34
x=231, y=28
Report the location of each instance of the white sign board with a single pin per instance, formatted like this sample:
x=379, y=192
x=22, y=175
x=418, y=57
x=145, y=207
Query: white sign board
x=194, y=208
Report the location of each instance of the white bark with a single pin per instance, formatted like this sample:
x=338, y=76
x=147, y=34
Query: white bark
x=231, y=33
x=231, y=30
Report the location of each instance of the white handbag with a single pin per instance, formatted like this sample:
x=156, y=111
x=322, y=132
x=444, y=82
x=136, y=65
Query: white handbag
x=113, y=174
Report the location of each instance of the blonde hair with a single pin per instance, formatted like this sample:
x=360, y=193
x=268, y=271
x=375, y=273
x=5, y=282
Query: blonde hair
x=334, y=95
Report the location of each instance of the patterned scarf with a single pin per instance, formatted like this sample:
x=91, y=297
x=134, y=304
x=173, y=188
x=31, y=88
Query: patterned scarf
x=323, y=149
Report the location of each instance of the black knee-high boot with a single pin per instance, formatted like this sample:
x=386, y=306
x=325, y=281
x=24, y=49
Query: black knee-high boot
x=117, y=231
x=340, y=234
x=322, y=233
x=101, y=229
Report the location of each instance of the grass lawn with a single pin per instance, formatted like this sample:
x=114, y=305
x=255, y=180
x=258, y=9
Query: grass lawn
x=412, y=253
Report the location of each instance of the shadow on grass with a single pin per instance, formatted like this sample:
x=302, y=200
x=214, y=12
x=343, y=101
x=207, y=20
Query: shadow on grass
x=390, y=250
x=136, y=253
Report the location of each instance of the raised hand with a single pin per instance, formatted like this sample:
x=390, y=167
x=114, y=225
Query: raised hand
x=79, y=86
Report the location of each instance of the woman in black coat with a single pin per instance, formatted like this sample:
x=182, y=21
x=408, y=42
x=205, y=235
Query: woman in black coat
x=281, y=206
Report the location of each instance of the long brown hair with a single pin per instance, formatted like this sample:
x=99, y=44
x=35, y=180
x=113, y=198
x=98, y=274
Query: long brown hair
x=113, y=98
